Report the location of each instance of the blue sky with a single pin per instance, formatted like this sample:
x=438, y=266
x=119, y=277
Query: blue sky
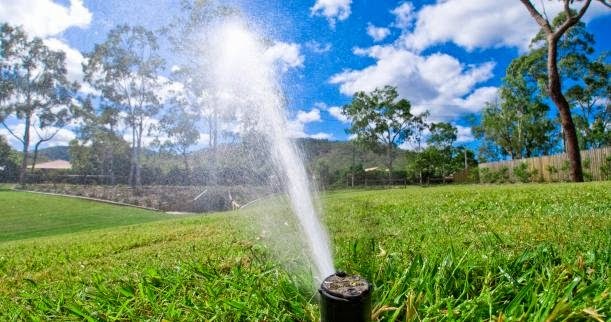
x=447, y=57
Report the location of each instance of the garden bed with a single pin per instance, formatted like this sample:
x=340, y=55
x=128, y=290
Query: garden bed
x=166, y=198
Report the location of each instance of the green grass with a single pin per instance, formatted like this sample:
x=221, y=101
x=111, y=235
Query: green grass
x=512, y=253
x=27, y=215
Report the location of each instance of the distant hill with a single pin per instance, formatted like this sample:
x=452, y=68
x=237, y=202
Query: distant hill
x=336, y=155
x=54, y=153
x=341, y=155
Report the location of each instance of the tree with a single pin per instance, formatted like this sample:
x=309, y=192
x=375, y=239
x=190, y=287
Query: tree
x=517, y=131
x=380, y=121
x=185, y=34
x=517, y=123
x=442, y=138
x=125, y=69
x=35, y=89
x=590, y=103
x=180, y=129
x=8, y=161
x=443, y=135
x=99, y=133
x=553, y=34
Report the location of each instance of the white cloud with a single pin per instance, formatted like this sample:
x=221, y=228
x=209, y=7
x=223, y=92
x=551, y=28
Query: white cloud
x=48, y=20
x=74, y=58
x=296, y=126
x=437, y=82
x=476, y=100
x=308, y=117
x=317, y=47
x=377, y=33
x=286, y=55
x=404, y=15
x=321, y=136
x=475, y=24
x=44, y=18
x=333, y=10
x=336, y=112
x=464, y=134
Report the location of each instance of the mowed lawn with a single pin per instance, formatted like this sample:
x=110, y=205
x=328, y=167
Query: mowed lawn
x=506, y=253
x=27, y=215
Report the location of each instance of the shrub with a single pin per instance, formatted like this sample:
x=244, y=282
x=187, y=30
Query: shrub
x=553, y=172
x=503, y=175
x=585, y=168
x=522, y=173
x=605, y=168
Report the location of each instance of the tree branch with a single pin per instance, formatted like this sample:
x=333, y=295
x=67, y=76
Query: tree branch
x=12, y=133
x=570, y=20
x=538, y=17
x=605, y=3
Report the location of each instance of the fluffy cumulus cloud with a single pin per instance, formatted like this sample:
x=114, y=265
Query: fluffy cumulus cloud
x=464, y=134
x=74, y=58
x=286, y=55
x=296, y=126
x=318, y=48
x=44, y=18
x=404, y=15
x=438, y=82
x=333, y=10
x=377, y=33
x=475, y=24
x=336, y=112
x=48, y=20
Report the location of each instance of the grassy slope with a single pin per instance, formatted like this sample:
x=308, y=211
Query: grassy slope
x=526, y=252
x=24, y=215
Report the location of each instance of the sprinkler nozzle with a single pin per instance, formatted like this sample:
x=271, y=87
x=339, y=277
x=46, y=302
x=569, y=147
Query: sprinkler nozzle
x=345, y=298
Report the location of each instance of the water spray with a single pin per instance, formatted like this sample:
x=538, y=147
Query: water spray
x=345, y=298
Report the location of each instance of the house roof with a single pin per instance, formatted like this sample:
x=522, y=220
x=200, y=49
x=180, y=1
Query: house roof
x=56, y=164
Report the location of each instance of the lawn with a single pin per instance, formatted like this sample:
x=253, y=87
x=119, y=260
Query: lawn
x=27, y=215
x=516, y=252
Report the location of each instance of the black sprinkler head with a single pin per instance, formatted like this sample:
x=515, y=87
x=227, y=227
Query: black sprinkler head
x=345, y=298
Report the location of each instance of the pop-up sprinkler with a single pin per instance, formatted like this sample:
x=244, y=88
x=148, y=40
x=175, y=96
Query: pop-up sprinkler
x=345, y=298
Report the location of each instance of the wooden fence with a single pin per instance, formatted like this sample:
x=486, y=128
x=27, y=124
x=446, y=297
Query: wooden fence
x=555, y=167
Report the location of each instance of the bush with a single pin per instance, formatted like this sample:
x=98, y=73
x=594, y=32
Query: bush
x=521, y=172
x=503, y=175
x=605, y=168
x=585, y=168
x=553, y=173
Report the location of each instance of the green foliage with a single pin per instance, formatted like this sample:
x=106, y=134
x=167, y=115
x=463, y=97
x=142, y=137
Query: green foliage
x=517, y=125
x=9, y=167
x=489, y=175
x=466, y=253
x=35, y=89
x=523, y=174
x=380, y=121
x=125, y=69
x=605, y=168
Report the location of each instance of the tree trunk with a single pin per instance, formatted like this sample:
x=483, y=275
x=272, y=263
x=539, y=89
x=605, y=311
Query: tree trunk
x=138, y=154
x=26, y=145
x=35, y=156
x=389, y=160
x=555, y=93
x=132, y=166
x=186, y=163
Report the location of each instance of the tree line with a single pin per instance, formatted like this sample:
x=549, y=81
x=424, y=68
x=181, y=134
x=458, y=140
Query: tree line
x=517, y=124
x=123, y=90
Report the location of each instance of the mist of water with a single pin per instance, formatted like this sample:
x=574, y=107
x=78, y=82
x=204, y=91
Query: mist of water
x=246, y=82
